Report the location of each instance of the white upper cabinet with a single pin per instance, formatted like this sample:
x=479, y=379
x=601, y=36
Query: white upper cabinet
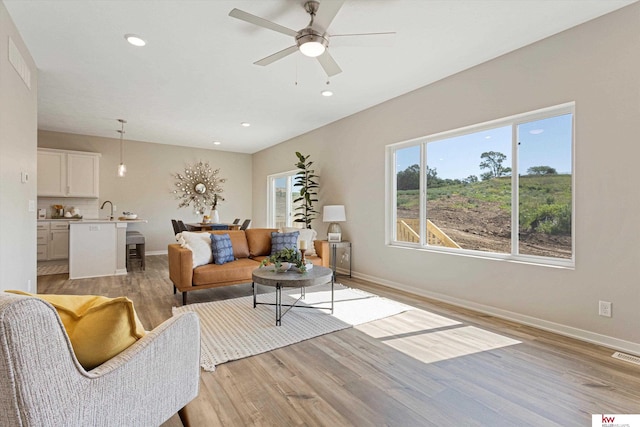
x=52, y=173
x=82, y=175
x=68, y=173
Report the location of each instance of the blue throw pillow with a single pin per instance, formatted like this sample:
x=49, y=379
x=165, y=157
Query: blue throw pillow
x=221, y=248
x=281, y=241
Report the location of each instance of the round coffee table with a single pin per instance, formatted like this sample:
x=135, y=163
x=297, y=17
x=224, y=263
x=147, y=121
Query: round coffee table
x=267, y=276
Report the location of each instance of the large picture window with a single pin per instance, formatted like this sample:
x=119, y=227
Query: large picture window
x=503, y=188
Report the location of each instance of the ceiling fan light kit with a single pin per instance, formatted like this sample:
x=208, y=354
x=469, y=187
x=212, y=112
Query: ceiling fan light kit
x=311, y=43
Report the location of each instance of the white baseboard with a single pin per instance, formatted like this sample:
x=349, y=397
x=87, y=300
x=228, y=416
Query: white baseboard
x=558, y=328
x=150, y=253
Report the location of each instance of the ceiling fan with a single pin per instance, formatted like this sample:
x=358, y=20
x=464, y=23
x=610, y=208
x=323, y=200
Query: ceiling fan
x=312, y=40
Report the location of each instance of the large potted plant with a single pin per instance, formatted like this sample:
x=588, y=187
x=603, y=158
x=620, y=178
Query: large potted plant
x=306, y=181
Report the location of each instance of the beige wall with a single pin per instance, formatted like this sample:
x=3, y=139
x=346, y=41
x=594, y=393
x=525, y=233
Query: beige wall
x=596, y=65
x=147, y=187
x=18, y=124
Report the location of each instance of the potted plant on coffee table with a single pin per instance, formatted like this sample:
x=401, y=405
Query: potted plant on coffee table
x=285, y=259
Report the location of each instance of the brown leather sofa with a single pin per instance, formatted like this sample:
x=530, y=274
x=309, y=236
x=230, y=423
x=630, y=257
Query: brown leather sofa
x=250, y=247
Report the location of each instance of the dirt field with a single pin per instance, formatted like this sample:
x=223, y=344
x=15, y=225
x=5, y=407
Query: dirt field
x=487, y=228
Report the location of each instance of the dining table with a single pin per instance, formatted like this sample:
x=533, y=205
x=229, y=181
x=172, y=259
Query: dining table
x=204, y=226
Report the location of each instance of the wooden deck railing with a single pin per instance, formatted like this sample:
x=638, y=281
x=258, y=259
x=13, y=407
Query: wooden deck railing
x=406, y=232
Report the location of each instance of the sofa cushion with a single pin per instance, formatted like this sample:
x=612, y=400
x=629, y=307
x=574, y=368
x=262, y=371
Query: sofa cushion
x=259, y=241
x=238, y=241
x=98, y=327
x=308, y=234
x=280, y=241
x=199, y=244
x=221, y=248
x=236, y=271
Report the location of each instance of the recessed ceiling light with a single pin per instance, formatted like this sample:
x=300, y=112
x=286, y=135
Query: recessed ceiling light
x=326, y=93
x=216, y=143
x=135, y=40
x=245, y=124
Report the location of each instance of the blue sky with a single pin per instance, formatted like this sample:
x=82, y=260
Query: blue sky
x=544, y=142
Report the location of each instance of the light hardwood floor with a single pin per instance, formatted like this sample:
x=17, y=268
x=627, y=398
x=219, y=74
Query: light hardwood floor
x=429, y=367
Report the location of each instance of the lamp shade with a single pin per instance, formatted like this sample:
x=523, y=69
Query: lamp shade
x=333, y=213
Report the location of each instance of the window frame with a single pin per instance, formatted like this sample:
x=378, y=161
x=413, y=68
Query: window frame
x=271, y=197
x=513, y=121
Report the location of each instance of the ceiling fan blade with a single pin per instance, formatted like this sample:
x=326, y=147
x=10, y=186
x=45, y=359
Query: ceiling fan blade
x=278, y=55
x=329, y=65
x=261, y=22
x=327, y=10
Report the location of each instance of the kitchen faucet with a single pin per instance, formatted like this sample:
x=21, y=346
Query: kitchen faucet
x=102, y=207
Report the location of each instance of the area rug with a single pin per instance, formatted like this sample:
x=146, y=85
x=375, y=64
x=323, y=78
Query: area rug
x=232, y=329
x=53, y=267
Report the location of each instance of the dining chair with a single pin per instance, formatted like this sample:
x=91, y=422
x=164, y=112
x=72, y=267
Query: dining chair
x=176, y=227
x=245, y=224
x=182, y=226
x=236, y=221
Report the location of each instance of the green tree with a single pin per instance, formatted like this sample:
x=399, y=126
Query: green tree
x=409, y=179
x=432, y=178
x=541, y=170
x=470, y=179
x=492, y=160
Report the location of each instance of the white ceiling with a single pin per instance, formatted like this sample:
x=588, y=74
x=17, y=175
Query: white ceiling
x=195, y=81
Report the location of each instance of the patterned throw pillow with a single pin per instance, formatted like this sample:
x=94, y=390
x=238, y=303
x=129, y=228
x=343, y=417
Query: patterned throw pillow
x=281, y=241
x=221, y=248
x=307, y=234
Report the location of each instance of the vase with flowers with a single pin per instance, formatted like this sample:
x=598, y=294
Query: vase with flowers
x=215, y=216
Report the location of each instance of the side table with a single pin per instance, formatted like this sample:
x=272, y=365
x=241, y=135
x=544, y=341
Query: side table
x=334, y=249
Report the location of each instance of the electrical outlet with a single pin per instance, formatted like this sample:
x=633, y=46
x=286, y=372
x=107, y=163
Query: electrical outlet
x=604, y=308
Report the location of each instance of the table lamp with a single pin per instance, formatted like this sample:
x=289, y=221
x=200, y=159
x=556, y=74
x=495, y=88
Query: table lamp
x=334, y=214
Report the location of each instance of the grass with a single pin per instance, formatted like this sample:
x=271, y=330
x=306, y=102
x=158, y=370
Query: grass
x=545, y=200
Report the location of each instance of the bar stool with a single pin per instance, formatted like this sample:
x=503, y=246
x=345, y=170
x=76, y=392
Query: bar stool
x=135, y=238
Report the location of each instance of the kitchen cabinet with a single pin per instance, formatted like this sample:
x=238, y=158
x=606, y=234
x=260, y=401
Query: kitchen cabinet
x=43, y=241
x=59, y=243
x=53, y=240
x=63, y=173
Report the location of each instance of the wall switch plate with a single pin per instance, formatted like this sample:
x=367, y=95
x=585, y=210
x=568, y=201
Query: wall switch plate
x=32, y=205
x=24, y=177
x=604, y=308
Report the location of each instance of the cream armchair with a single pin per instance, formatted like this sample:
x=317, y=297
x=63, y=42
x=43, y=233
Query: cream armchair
x=42, y=383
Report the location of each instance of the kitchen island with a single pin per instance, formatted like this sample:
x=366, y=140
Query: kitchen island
x=97, y=247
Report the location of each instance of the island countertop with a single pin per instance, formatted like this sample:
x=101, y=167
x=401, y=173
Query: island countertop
x=91, y=220
x=97, y=247
x=106, y=221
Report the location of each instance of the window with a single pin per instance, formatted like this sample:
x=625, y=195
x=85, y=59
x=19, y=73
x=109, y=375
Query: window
x=503, y=188
x=282, y=193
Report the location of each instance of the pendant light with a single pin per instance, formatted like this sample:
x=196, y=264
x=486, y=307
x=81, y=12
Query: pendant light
x=122, y=169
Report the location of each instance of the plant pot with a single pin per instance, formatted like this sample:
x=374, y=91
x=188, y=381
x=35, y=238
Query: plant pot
x=284, y=267
x=308, y=266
